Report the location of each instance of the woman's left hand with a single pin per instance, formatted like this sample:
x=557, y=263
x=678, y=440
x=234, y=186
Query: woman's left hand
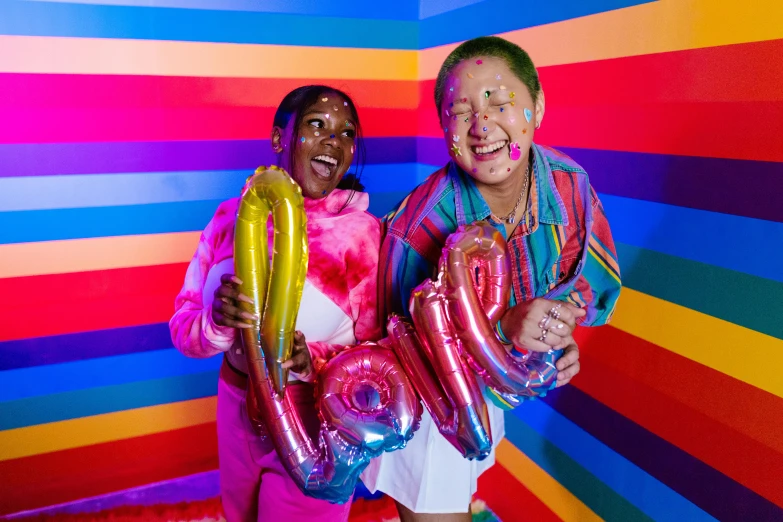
x=568, y=365
x=300, y=362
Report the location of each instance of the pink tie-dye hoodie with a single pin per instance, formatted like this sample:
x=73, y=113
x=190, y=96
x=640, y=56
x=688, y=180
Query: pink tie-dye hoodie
x=339, y=299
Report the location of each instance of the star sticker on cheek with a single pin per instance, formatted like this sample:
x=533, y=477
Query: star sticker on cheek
x=456, y=150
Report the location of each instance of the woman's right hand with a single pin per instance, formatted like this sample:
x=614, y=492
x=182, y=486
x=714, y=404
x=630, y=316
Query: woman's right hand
x=225, y=311
x=540, y=324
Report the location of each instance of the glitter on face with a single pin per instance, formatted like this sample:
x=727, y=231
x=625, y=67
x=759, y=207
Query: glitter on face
x=466, y=120
x=509, y=169
x=345, y=103
x=486, y=94
x=497, y=77
x=479, y=62
x=455, y=138
x=474, y=171
x=302, y=139
x=335, y=108
x=485, y=129
x=502, y=87
x=317, y=134
x=324, y=99
x=456, y=150
x=451, y=89
x=501, y=109
x=327, y=116
x=512, y=119
x=470, y=75
x=512, y=94
x=528, y=114
x=352, y=149
x=331, y=136
x=524, y=131
x=513, y=103
x=486, y=117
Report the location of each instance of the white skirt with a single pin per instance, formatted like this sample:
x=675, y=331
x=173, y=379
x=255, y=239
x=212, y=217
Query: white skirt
x=429, y=475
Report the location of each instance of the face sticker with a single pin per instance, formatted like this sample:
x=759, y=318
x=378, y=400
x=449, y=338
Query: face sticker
x=513, y=152
x=528, y=114
x=455, y=138
x=456, y=150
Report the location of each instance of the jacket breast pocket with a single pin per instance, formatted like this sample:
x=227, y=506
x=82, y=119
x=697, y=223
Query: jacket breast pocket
x=562, y=271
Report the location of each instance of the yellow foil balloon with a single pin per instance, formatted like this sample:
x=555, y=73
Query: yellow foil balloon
x=276, y=292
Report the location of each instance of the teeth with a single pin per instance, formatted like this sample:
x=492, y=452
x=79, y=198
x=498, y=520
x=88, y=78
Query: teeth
x=492, y=147
x=326, y=159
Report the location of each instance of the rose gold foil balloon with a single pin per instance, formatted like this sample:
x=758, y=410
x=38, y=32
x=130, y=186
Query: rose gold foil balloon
x=454, y=340
x=366, y=402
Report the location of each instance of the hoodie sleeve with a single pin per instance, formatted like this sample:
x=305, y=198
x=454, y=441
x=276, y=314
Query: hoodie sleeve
x=193, y=331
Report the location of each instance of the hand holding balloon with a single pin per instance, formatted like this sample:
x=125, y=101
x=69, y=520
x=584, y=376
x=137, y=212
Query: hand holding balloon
x=225, y=309
x=568, y=365
x=540, y=325
x=300, y=362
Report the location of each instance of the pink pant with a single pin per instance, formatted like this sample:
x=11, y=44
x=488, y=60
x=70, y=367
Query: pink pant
x=253, y=483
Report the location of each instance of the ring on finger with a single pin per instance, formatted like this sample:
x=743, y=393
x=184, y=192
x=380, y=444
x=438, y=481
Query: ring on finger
x=544, y=331
x=544, y=323
x=555, y=311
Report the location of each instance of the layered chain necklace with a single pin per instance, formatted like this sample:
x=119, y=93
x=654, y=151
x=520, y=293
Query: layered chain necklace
x=511, y=216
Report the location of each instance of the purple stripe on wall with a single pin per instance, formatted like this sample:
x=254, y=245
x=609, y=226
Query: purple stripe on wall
x=73, y=347
x=48, y=159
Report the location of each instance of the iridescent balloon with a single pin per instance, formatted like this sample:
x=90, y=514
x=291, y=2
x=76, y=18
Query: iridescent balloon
x=366, y=402
x=453, y=340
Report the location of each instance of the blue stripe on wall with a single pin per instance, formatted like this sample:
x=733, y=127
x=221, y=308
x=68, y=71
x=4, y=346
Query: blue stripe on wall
x=73, y=223
x=104, y=190
x=50, y=379
x=401, y=10
x=708, y=237
x=195, y=25
x=586, y=487
x=107, y=399
x=647, y=493
x=499, y=16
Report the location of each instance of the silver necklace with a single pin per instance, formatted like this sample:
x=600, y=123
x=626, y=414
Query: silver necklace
x=511, y=216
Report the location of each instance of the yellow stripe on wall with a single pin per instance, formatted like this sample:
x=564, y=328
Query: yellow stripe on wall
x=103, y=253
x=737, y=351
x=52, y=55
x=556, y=497
x=108, y=427
x=657, y=27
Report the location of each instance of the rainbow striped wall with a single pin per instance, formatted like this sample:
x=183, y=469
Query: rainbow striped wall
x=124, y=125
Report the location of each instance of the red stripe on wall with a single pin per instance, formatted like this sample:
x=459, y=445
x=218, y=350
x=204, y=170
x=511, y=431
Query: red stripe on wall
x=171, y=124
x=740, y=406
x=55, y=304
x=737, y=130
x=89, y=91
x=722, y=102
x=509, y=499
x=64, y=476
x=734, y=454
